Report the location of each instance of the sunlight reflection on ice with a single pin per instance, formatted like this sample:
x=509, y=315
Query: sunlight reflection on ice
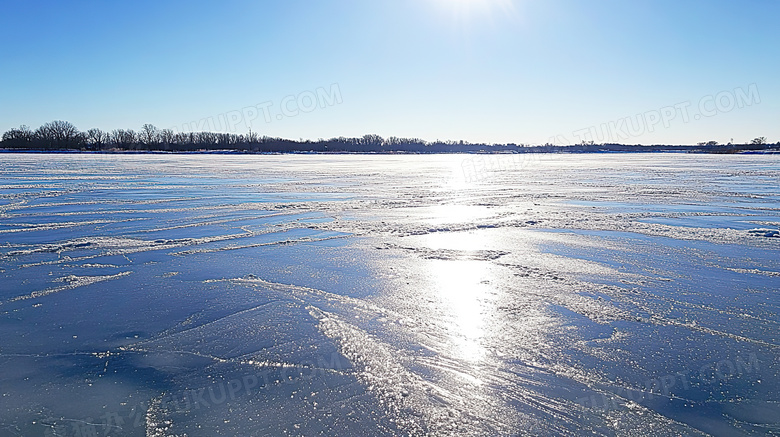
x=462, y=286
x=441, y=214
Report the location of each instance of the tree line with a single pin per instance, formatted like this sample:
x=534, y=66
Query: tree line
x=62, y=135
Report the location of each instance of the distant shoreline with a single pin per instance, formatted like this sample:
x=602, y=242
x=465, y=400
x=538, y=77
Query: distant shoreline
x=63, y=137
x=770, y=149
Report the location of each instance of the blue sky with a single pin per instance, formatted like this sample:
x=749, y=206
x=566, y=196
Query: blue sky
x=525, y=71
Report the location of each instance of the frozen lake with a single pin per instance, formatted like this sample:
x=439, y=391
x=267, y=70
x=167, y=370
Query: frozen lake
x=206, y=295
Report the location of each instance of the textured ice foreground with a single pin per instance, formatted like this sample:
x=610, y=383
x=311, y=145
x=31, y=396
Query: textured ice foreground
x=207, y=295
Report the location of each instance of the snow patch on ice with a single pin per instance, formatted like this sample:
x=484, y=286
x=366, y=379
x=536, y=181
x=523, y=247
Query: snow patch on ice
x=73, y=281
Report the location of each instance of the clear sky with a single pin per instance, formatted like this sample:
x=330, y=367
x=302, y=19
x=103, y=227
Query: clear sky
x=524, y=71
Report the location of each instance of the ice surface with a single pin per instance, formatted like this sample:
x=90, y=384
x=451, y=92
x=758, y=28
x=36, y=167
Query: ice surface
x=205, y=295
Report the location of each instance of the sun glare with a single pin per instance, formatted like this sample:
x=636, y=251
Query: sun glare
x=469, y=8
x=469, y=16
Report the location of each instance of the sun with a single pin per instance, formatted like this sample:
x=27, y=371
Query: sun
x=469, y=10
x=475, y=4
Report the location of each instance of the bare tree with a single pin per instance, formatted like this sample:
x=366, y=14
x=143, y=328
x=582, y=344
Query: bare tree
x=759, y=140
x=123, y=137
x=149, y=134
x=21, y=137
x=371, y=140
x=117, y=135
x=181, y=138
x=59, y=133
x=96, y=137
x=166, y=136
x=205, y=138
